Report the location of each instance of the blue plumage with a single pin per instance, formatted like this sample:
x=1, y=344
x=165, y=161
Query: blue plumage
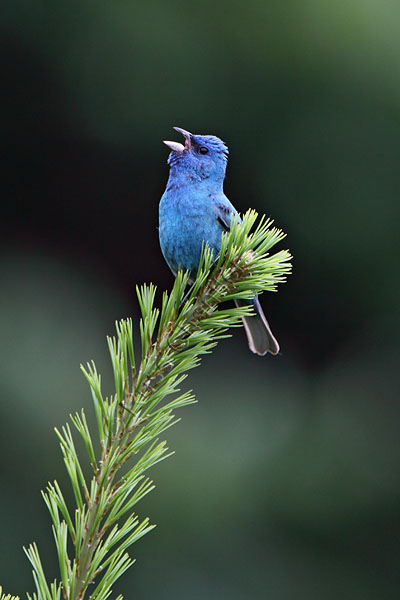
x=194, y=209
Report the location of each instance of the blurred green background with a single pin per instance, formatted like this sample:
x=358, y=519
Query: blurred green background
x=285, y=483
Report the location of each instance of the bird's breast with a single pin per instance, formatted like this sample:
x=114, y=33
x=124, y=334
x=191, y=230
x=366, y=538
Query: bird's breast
x=187, y=219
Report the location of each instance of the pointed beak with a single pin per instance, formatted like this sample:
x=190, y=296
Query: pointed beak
x=176, y=146
x=187, y=135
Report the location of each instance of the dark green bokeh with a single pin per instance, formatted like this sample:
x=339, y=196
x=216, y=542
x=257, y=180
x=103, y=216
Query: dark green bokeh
x=286, y=479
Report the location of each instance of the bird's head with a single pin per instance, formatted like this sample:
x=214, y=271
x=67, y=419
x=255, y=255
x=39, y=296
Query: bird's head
x=201, y=157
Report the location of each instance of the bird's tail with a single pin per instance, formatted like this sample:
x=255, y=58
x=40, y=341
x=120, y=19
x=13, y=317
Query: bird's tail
x=259, y=335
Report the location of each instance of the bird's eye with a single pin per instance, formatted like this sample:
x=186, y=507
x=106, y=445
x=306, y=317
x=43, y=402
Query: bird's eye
x=203, y=150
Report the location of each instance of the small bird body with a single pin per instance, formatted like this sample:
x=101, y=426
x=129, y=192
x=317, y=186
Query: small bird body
x=194, y=209
x=184, y=226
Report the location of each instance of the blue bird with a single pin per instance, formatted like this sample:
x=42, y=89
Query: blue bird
x=194, y=209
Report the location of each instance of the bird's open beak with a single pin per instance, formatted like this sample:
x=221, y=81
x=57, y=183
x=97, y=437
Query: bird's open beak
x=178, y=147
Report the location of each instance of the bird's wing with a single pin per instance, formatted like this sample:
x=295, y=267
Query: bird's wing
x=223, y=212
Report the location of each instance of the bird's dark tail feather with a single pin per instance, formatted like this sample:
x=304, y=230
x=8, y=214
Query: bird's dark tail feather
x=259, y=335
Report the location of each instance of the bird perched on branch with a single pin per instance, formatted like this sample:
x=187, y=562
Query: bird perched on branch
x=194, y=209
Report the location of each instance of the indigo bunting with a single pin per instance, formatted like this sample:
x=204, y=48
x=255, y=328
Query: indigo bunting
x=194, y=209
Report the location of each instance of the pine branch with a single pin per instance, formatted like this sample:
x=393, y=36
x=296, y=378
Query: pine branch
x=102, y=526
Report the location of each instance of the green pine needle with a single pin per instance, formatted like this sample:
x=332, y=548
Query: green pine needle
x=7, y=596
x=99, y=530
